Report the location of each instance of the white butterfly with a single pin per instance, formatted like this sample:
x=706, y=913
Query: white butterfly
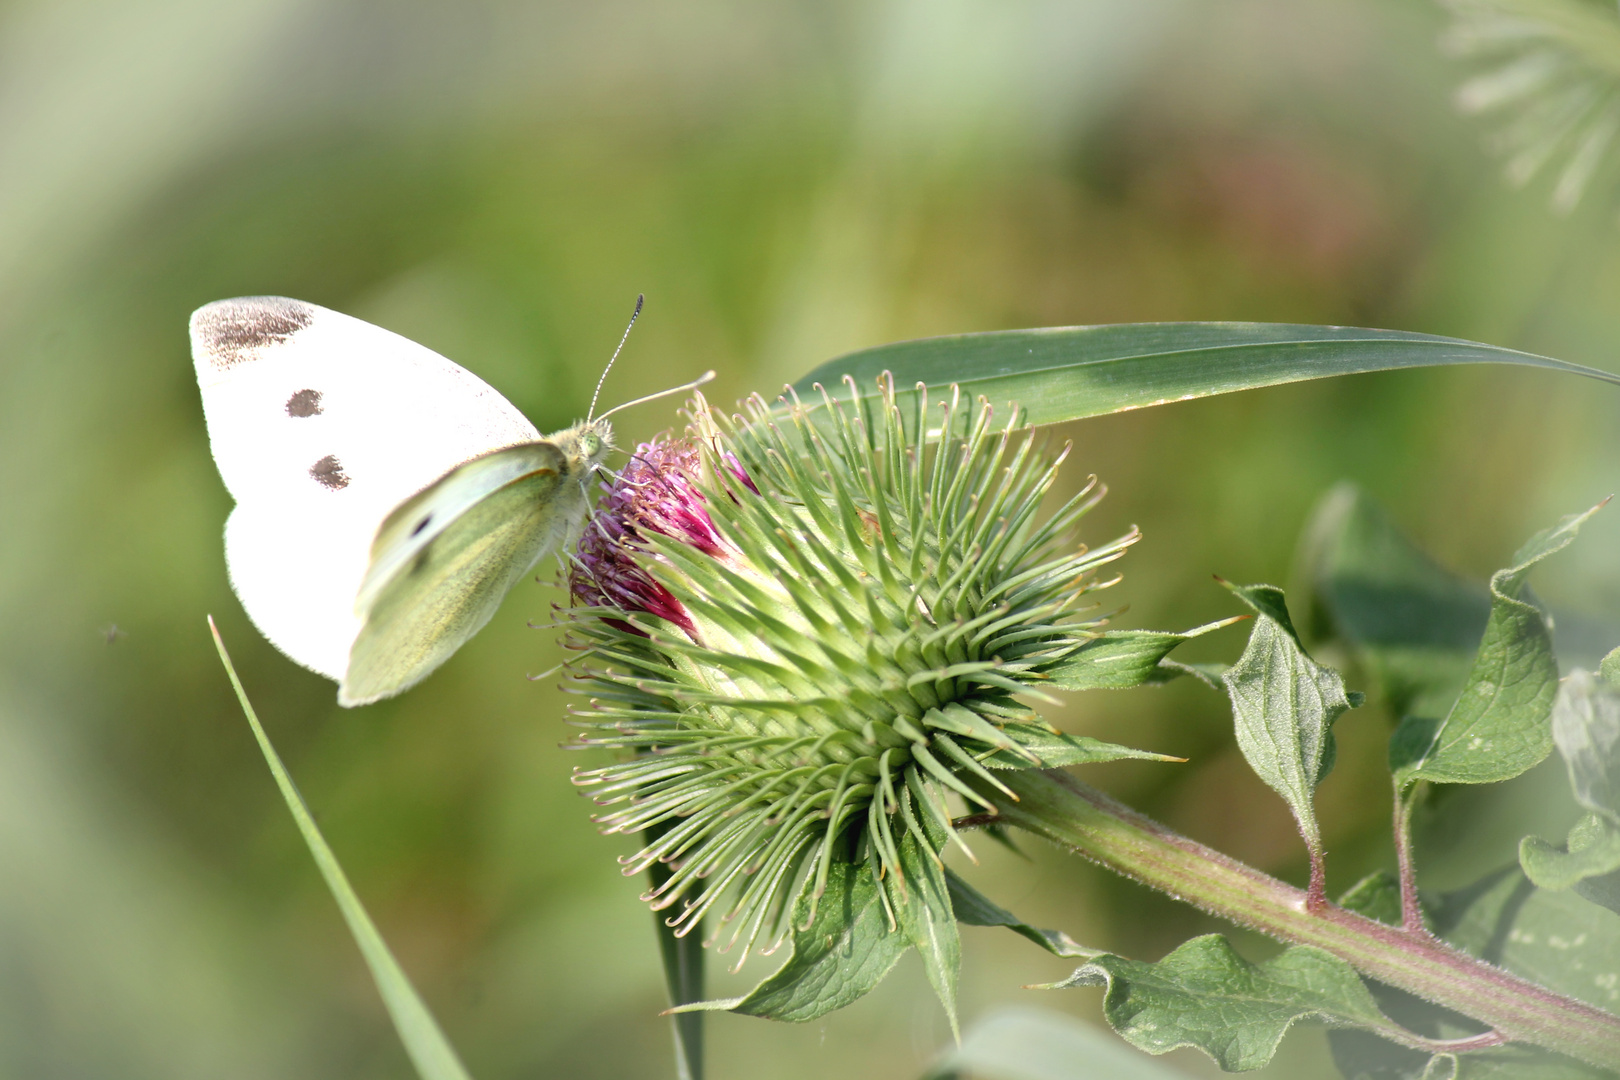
x=386, y=499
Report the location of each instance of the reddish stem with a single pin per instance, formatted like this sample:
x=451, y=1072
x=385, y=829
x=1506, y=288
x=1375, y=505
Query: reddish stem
x=1411, y=909
x=1062, y=809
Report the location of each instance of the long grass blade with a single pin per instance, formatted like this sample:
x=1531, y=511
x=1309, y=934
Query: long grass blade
x=429, y=1050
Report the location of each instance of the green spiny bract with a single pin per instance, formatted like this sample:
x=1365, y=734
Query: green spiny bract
x=804, y=629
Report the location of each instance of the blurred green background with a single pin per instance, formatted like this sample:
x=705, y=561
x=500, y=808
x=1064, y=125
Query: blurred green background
x=785, y=181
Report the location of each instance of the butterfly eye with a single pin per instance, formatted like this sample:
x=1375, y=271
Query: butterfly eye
x=591, y=444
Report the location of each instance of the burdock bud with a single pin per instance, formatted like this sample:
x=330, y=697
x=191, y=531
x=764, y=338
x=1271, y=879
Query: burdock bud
x=809, y=633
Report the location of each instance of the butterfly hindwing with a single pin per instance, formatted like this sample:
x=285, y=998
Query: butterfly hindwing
x=431, y=587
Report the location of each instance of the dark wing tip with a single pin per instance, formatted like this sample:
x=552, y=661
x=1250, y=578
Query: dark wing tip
x=228, y=332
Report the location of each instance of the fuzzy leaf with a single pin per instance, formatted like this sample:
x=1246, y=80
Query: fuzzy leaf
x=846, y=951
x=1414, y=625
x=1207, y=996
x=1121, y=659
x=975, y=909
x=1057, y=749
x=1591, y=851
x=922, y=907
x=1610, y=668
x=1071, y=372
x=1284, y=704
x=1498, y=727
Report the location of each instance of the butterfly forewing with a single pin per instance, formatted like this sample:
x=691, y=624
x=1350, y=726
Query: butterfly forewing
x=321, y=424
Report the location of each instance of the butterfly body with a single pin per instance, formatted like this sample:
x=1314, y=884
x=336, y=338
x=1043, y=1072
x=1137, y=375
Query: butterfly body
x=386, y=498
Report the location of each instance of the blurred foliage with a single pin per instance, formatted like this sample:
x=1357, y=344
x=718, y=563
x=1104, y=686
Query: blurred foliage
x=785, y=181
x=1552, y=77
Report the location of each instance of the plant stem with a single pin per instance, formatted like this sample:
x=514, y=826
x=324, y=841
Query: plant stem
x=1060, y=808
x=683, y=974
x=1316, y=895
x=1411, y=910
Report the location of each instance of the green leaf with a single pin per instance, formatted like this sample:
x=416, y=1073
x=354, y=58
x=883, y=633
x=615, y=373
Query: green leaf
x=1377, y=896
x=1066, y=373
x=1057, y=750
x=429, y=1050
x=1121, y=659
x=1414, y=625
x=1592, y=850
x=846, y=951
x=975, y=909
x=1206, y=996
x=1284, y=704
x=1610, y=668
x=1498, y=727
x=922, y=906
x=1038, y=1044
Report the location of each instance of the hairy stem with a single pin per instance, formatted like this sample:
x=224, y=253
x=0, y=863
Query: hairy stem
x=1411, y=910
x=1316, y=895
x=1067, y=812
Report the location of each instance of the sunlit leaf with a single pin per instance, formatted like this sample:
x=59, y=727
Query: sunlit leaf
x=1067, y=373
x=1206, y=996
x=1498, y=727
x=1057, y=749
x=1121, y=659
x=1284, y=705
x=429, y=1050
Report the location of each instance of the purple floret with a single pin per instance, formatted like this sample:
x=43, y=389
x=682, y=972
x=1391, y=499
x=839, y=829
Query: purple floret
x=655, y=493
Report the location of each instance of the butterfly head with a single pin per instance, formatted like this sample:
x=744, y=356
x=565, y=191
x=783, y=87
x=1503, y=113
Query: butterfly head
x=587, y=446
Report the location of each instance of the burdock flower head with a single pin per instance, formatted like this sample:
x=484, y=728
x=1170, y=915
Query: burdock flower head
x=809, y=632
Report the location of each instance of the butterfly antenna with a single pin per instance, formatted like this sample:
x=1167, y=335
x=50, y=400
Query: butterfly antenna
x=706, y=377
x=641, y=298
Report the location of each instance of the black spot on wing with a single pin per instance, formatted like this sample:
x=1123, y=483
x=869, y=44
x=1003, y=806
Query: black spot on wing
x=328, y=472
x=420, y=525
x=304, y=403
x=229, y=332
